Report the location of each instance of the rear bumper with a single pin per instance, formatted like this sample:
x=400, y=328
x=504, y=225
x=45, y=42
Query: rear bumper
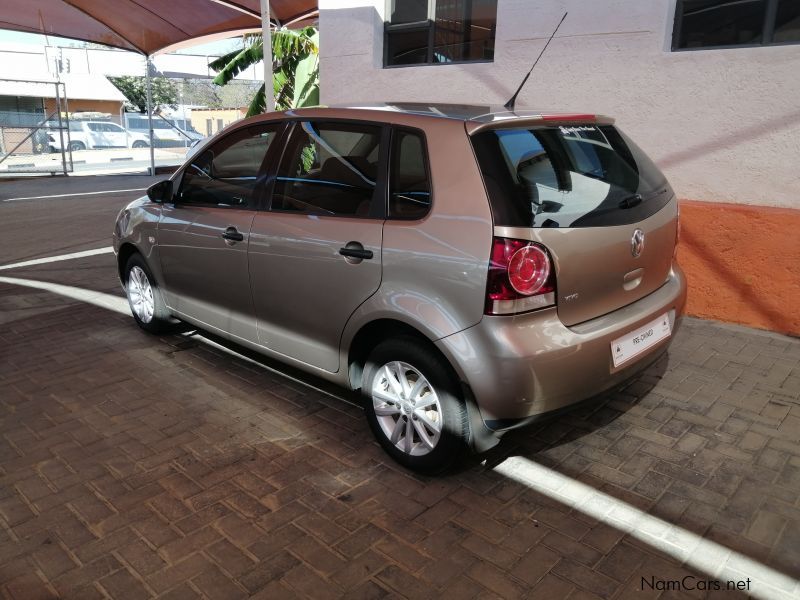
x=528, y=365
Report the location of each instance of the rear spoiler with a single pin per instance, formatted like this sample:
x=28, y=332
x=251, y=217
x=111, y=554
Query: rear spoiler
x=512, y=121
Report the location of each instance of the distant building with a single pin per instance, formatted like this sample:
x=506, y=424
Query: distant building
x=209, y=121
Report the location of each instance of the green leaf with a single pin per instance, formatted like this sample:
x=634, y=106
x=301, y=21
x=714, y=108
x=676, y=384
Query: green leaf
x=306, y=82
x=295, y=67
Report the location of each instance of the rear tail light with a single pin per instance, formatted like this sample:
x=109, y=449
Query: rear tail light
x=521, y=277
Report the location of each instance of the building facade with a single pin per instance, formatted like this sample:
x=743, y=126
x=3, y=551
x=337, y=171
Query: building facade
x=709, y=89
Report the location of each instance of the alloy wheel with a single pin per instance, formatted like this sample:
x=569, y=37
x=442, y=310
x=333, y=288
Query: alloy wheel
x=140, y=294
x=407, y=408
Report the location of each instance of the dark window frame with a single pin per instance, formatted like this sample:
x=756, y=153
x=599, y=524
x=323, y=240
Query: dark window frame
x=378, y=208
x=428, y=25
x=426, y=164
x=767, y=32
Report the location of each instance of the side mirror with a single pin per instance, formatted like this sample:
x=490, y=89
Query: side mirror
x=160, y=192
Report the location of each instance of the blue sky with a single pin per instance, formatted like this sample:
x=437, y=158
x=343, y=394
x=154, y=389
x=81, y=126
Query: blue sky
x=17, y=37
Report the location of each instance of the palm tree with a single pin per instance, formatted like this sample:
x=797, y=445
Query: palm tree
x=295, y=72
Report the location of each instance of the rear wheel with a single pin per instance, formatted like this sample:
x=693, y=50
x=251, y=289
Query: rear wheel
x=139, y=144
x=144, y=296
x=413, y=405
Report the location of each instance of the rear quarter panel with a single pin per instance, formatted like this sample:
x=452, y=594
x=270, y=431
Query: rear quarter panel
x=435, y=269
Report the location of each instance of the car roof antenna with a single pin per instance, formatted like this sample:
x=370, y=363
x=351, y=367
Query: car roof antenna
x=510, y=104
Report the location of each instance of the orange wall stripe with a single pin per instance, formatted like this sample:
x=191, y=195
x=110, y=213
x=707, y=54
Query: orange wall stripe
x=742, y=264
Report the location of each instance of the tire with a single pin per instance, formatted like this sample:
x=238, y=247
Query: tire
x=75, y=146
x=144, y=297
x=139, y=144
x=437, y=422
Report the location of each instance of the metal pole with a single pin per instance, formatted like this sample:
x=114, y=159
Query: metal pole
x=61, y=130
x=269, y=90
x=150, y=118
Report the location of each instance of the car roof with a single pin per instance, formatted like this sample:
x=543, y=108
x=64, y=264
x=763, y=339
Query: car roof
x=462, y=112
x=474, y=117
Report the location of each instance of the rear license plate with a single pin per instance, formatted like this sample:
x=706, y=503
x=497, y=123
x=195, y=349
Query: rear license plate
x=630, y=346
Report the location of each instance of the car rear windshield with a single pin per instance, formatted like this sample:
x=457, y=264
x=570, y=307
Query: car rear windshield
x=568, y=176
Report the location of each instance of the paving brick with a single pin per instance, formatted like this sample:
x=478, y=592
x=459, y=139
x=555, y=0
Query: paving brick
x=122, y=584
x=585, y=578
x=535, y=564
x=496, y=580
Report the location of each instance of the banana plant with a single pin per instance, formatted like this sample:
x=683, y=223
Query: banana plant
x=295, y=67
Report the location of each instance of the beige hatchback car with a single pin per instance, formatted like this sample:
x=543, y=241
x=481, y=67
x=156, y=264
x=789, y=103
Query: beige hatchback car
x=467, y=269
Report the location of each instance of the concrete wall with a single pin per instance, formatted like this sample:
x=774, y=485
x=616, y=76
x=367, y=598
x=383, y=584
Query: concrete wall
x=723, y=124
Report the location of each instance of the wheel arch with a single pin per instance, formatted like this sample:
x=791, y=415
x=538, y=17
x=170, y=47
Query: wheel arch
x=374, y=332
x=126, y=250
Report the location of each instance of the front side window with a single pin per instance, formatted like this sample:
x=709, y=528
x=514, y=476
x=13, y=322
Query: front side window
x=440, y=31
x=726, y=23
x=329, y=169
x=227, y=173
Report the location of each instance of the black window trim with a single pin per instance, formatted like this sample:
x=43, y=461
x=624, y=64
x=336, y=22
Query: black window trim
x=266, y=170
x=428, y=24
x=378, y=208
x=426, y=163
x=767, y=32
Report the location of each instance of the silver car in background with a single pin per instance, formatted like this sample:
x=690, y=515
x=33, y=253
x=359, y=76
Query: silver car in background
x=467, y=269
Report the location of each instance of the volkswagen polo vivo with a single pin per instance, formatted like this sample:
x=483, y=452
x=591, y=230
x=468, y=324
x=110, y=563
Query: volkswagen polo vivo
x=467, y=269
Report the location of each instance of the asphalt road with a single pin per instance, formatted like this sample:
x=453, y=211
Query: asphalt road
x=86, y=209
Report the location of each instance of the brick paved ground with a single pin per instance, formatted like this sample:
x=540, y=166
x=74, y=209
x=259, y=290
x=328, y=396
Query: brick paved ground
x=133, y=466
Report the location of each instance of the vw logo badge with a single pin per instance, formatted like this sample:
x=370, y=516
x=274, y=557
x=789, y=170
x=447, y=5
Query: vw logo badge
x=637, y=243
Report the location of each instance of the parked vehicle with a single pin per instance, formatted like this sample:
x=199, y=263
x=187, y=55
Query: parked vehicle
x=166, y=133
x=467, y=270
x=89, y=135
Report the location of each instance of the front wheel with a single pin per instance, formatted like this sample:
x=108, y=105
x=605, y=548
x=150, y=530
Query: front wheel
x=413, y=405
x=144, y=296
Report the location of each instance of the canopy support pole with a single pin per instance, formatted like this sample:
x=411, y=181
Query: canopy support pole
x=150, y=116
x=269, y=93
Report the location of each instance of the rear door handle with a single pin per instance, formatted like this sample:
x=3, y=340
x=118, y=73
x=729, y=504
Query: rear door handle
x=232, y=234
x=355, y=250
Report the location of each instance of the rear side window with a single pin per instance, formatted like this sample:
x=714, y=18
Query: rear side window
x=410, y=185
x=329, y=169
x=568, y=176
x=226, y=174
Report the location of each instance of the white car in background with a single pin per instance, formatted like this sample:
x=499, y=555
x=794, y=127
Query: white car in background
x=88, y=135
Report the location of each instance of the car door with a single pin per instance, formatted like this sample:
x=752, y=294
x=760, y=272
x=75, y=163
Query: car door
x=203, y=236
x=95, y=136
x=115, y=135
x=315, y=255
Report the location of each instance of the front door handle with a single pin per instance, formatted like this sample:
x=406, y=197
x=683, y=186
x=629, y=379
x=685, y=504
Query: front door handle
x=232, y=234
x=356, y=250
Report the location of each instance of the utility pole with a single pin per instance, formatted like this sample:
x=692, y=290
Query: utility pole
x=266, y=34
x=150, y=116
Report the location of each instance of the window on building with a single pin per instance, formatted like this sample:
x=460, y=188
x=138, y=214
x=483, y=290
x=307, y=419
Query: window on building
x=439, y=31
x=730, y=23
